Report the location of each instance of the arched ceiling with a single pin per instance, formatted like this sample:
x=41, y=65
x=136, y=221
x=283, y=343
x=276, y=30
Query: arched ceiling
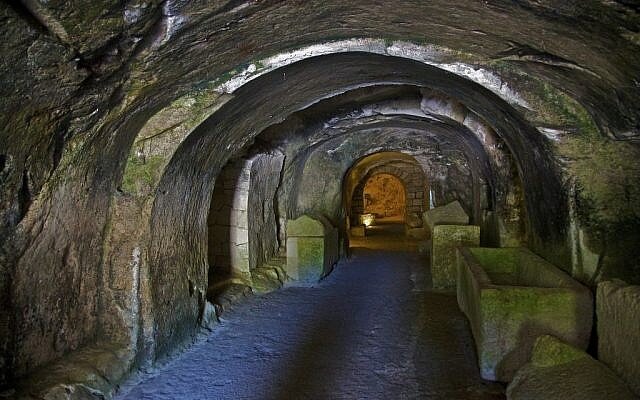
x=93, y=76
x=250, y=112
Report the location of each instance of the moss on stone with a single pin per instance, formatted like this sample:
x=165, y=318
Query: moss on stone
x=305, y=258
x=518, y=304
x=226, y=76
x=607, y=175
x=549, y=351
x=305, y=226
x=142, y=175
x=548, y=104
x=504, y=260
x=561, y=107
x=605, y=172
x=508, y=316
x=311, y=258
x=445, y=239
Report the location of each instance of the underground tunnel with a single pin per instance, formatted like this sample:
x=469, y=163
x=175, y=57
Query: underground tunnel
x=320, y=200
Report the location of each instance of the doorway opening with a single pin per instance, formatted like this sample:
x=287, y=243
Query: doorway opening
x=385, y=195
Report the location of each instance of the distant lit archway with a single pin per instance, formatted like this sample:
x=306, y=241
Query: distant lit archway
x=384, y=196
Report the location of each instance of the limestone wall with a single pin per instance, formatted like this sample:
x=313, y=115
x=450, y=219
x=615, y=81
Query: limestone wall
x=618, y=322
x=79, y=86
x=228, y=221
x=264, y=240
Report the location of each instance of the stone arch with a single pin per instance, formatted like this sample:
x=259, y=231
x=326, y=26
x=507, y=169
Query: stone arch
x=409, y=173
x=385, y=195
x=243, y=233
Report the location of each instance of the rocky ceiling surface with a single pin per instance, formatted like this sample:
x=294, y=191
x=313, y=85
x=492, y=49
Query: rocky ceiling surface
x=541, y=95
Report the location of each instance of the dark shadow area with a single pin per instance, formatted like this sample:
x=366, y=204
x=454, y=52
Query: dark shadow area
x=310, y=365
x=387, y=229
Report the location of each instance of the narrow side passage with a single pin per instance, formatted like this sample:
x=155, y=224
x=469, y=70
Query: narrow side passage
x=365, y=332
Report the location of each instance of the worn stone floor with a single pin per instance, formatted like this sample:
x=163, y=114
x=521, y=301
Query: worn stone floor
x=387, y=236
x=371, y=330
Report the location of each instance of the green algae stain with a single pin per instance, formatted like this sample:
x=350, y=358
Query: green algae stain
x=140, y=176
x=607, y=175
x=311, y=258
x=548, y=104
x=494, y=261
x=606, y=172
x=557, y=105
x=549, y=351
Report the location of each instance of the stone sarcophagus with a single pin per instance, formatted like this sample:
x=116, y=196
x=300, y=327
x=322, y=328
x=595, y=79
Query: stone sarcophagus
x=449, y=229
x=312, y=249
x=511, y=297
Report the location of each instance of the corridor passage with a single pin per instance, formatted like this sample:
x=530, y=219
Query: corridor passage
x=365, y=332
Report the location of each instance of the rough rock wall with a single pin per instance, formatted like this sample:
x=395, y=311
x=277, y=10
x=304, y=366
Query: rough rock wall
x=264, y=221
x=437, y=153
x=326, y=168
x=249, y=112
x=59, y=176
x=618, y=323
x=126, y=320
x=456, y=183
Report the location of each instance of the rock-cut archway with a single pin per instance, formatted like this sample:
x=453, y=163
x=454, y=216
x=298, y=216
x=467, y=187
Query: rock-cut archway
x=243, y=233
x=391, y=169
x=385, y=196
